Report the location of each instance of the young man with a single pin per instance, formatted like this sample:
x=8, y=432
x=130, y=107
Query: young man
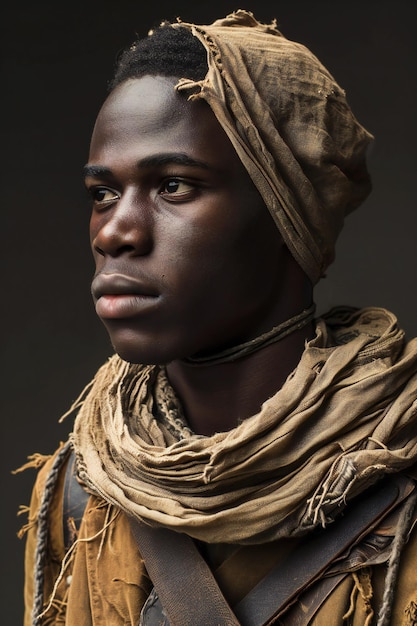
x=245, y=463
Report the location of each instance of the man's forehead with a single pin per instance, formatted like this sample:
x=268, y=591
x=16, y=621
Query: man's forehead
x=147, y=95
x=164, y=126
x=151, y=109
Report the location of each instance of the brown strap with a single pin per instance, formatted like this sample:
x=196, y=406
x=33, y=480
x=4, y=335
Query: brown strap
x=182, y=578
x=301, y=613
x=182, y=574
x=309, y=560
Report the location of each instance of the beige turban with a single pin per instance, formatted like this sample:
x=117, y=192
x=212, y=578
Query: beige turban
x=292, y=128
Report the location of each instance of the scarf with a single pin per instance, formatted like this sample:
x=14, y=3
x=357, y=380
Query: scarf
x=345, y=416
x=292, y=128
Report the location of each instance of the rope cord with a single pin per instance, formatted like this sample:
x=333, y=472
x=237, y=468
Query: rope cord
x=244, y=349
x=42, y=533
x=405, y=522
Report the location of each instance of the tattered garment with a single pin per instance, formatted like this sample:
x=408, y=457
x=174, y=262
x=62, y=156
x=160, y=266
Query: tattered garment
x=292, y=128
x=345, y=416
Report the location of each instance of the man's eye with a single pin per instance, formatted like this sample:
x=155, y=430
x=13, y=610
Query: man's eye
x=176, y=189
x=103, y=195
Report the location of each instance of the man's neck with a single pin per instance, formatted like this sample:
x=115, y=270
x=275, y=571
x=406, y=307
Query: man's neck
x=217, y=398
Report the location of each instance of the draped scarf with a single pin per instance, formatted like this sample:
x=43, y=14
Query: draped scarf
x=346, y=416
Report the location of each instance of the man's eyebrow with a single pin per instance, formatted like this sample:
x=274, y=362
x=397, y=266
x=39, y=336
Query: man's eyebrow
x=168, y=158
x=96, y=171
x=155, y=160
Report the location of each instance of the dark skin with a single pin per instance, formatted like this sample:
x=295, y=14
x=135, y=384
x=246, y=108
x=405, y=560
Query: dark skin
x=188, y=259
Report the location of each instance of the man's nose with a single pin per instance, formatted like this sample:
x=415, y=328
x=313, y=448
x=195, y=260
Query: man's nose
x=126, y=228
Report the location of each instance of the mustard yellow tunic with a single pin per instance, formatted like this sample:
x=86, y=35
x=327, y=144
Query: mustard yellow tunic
x=105, y=582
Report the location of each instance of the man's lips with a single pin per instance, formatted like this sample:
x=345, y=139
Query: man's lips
x=119, y=296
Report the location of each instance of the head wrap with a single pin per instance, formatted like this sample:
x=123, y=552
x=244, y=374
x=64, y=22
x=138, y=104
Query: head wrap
x=292, y=128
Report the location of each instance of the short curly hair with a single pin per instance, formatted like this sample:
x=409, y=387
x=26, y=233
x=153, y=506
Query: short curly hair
x=166, y=51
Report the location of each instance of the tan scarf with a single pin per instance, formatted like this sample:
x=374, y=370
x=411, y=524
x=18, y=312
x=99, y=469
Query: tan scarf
x=345, y=416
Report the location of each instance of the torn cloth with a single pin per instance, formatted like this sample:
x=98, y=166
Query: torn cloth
x=292, y=128
x=346, y=416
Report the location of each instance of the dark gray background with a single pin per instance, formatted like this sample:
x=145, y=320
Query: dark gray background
x=57, y=58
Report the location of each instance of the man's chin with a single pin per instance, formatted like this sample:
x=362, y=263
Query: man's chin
x=143, y=352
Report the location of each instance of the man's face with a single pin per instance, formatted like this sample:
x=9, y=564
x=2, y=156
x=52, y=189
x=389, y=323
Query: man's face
x=187, y=255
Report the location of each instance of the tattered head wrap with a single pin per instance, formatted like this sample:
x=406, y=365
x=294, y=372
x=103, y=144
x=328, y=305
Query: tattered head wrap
x=292, y=128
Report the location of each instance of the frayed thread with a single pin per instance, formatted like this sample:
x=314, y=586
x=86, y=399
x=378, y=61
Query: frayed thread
x=332, y=490
x=362, y=587
x=66, y=561
x=24, y=509
x=35, y=461
x=411, y=614
x=77, y=403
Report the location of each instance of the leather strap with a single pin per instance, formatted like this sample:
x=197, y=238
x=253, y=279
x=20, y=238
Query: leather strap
x=301, y=613
x=173, y=564
x=309, y=560
x=182, y=578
